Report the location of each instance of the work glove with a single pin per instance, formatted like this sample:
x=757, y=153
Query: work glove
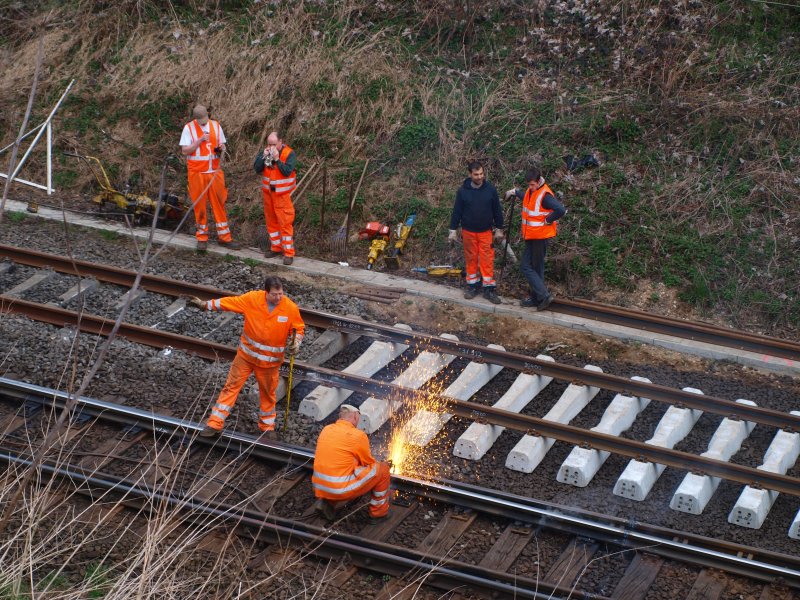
x=452, y=237
x=498, y=234
x=294, y=347
x=196, y=302
x=510, y=193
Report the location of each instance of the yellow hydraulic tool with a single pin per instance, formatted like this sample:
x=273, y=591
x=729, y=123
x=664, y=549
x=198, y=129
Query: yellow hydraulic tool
x=376, y=248
x=139, y=206
x=392, y=258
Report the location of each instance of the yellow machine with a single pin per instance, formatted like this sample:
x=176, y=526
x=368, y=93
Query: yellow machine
x=376, y=248
x=139, y=206
x=392, y=258
x=439, y=271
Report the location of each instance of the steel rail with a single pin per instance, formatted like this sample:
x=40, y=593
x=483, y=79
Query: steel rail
x=467, y=350
x=468, y=410
x=706, y=332
x=747, y=560
x=470, y=351
x=364, y=552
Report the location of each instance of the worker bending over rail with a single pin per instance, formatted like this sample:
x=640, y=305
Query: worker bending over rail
x=269, y=319
x=344, y=467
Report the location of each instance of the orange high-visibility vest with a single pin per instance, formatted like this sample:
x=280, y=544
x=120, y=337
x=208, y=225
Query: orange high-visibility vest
x=534, y=226
x=263, y=340
x=273, y=180
x=342, y=461
x=203, y=159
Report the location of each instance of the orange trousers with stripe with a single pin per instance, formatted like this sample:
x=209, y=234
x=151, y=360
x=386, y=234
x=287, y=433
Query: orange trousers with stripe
x=479, y=258
x=217, y=195
x=379, y=488
x=279, y=216
x=267, y=378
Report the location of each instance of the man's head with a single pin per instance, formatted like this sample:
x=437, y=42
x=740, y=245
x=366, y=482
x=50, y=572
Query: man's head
x=274, y=141
x=533, y=176
x=273, y=286
x=476, y=173
x=200, y=114
x=349, y=413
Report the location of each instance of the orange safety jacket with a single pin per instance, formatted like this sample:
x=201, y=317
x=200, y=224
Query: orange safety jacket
x=275, y=181
x=342, y=461
x=263, y=340
x=203, y=159
x=534, y=214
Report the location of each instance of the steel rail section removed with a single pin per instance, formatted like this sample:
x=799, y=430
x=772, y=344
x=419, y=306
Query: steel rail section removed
x=746, y=560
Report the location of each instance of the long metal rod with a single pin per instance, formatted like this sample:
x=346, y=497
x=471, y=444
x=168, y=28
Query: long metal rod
x=474, y=352
x=658, y=540
x=467, y=410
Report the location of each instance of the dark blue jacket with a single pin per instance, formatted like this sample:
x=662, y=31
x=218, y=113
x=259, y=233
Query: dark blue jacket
x=476, y=209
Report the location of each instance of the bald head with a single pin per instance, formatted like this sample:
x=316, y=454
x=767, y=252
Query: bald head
x=200, y=114
x=348, y=412
x=273, y=139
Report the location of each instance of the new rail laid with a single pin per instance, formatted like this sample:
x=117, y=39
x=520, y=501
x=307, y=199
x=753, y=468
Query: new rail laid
x=471, y=410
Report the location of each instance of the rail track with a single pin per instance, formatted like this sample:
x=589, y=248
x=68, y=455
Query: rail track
x=208, y=486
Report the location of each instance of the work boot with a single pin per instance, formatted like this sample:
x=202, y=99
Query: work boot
x=325, y=508
x=491, y=296
x=209, y=432
x=287, y=260
x=201, y=246
x=545, y=303
x=528, y=302
x=232, y=245
x=471, y=293
x=271, y=253
x=268, y=436
x=375, y=520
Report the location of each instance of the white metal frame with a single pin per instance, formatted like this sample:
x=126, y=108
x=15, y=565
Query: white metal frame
x=45, y=127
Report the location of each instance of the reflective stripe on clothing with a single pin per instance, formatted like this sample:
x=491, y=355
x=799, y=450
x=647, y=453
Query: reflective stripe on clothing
x=534, y=225
x=272, y=180
x=279, y=217
x=203, y=159
x=260, y=357
x=479, y=257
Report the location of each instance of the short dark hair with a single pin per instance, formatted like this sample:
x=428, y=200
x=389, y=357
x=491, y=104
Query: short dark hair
x=532, y=174
x=273, y=283
x=473, y=165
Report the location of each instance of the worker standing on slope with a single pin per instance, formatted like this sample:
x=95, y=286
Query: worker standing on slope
x=269, y=318
x=202, y=143
x=276, y=165
x=344, y=467
x=540, y=212
x=477, y=207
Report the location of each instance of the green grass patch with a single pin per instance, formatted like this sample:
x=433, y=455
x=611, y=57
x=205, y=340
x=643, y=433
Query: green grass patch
x=16, y=216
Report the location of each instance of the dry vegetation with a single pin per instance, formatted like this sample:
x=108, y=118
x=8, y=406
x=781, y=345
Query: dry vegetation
x=691, y=106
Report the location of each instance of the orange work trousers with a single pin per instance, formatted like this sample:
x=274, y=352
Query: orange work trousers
x=279, y=215
x=267, y=378
x=479, y=256
x=378, y=485
x=205, y=187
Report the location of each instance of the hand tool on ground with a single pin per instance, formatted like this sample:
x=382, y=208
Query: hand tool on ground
x=439, y=271
x=292, y=340
x=339, y=239
x=376, y=248
x=140, y=207
x=392, y=257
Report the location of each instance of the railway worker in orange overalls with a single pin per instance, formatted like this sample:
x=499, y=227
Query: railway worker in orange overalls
x=202, y=143
x=276, y=165
x=477, y=207
x=269, y=318
x=344, y=467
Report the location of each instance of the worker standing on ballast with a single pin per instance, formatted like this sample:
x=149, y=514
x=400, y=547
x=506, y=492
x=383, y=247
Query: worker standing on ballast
x=344, y=467
x=276, y=165
x=476, y=209
x=269, y=318
x=202, y=143
x=540, y=213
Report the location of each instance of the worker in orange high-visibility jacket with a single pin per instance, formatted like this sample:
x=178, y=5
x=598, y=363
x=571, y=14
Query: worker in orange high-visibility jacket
x=344, y=467
x=276, y=165
x=202, y=143
x=269, y=318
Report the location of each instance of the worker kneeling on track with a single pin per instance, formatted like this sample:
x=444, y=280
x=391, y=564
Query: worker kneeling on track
x=269, y=317
x=344, y=467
